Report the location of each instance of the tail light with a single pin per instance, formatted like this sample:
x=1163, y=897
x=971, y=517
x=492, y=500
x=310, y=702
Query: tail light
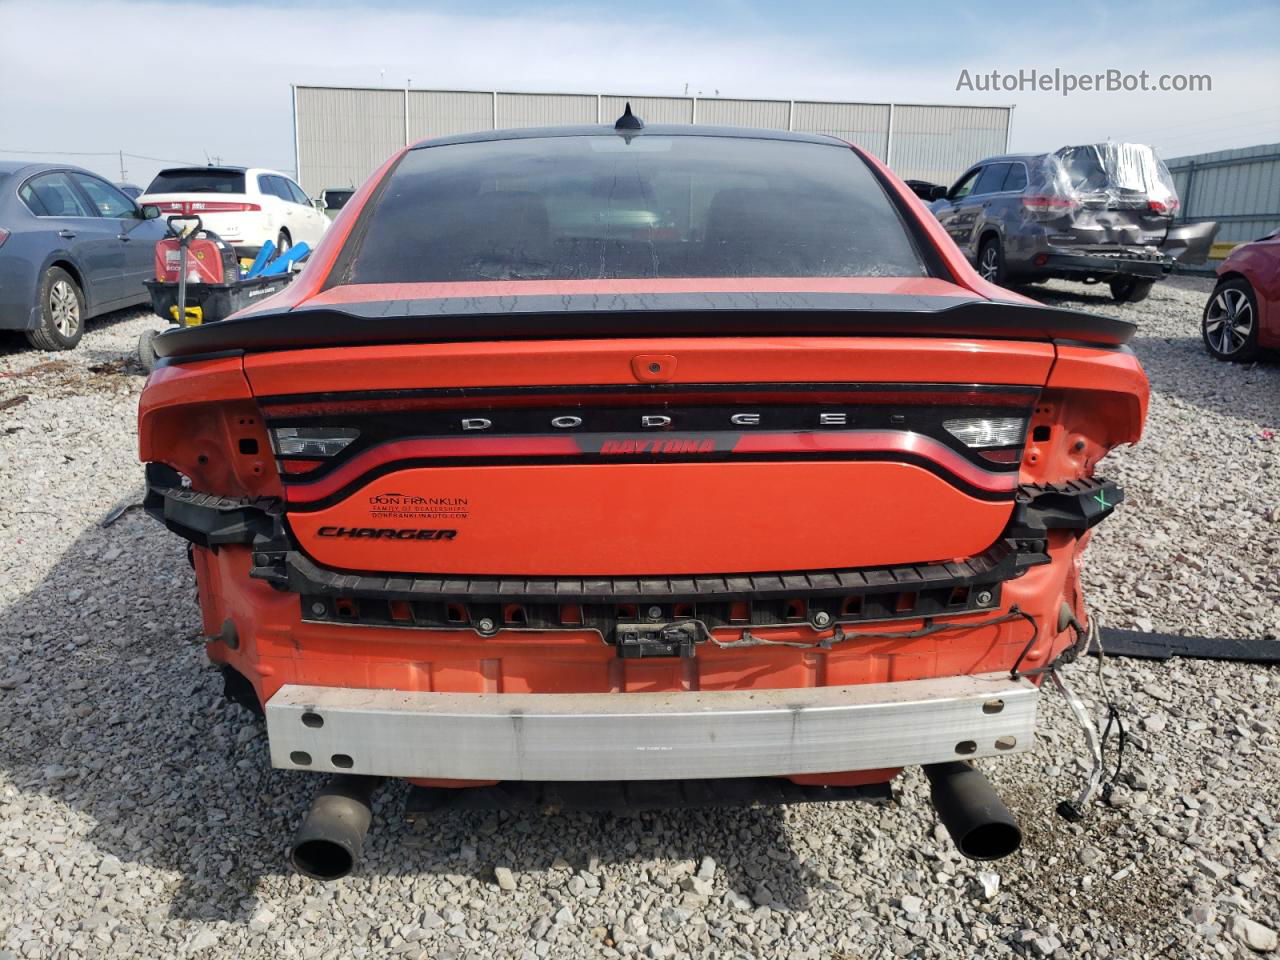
x=312, y=441
x=4, y=235
x=206, y=206
x=1048, y=203
x=1164, y=206
x=981, y=432
x=220, y=206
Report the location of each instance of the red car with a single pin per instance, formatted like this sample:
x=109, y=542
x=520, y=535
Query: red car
x=1242, y=317
x=625, y=465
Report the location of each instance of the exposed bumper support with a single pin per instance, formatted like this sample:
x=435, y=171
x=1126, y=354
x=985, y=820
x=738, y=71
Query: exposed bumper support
x=649, y=736
x=1151, y=267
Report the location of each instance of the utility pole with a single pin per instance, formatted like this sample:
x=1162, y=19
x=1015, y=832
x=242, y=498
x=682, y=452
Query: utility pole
x=123, y=176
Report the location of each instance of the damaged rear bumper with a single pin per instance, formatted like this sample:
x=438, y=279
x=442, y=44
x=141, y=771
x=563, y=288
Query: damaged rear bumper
x=649, y=736
x=1103, y=266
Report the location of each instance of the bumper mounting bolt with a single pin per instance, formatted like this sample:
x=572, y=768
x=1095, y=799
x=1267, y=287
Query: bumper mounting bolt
x=984, y=597
x=485, y=625
x=821, y=618
x=318, y=609
x=655, y=613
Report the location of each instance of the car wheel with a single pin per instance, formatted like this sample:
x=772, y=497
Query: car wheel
x=1230, y=324
x=1130, y=289
x=991, y=261
x=283, y=243
x=62, y=311
x=147, y=350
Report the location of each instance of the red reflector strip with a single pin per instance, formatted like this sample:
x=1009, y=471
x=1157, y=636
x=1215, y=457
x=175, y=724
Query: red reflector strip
x=205, y=206
x=848, y=441
x=300, y=466
x=1010, y=455
x=878, y=441
x=427, y=448
x=1046, y=203
x=220, y=206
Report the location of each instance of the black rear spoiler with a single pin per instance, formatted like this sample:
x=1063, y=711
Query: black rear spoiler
x=591, y=316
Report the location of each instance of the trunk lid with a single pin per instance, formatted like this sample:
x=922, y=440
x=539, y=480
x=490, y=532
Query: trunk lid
x=649, y=457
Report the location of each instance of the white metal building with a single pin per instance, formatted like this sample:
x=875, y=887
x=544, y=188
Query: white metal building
x=342, y=134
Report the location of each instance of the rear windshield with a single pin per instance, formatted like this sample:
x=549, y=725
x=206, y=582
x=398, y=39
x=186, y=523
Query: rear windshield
x=197, y=181
x=611, y=207
x=1121, y=167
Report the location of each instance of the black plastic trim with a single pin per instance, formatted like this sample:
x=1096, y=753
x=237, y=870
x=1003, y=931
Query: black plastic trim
x=299, y=574
x=608, y=316
x=732, y=389
x=1072, y=505
x=205, y=519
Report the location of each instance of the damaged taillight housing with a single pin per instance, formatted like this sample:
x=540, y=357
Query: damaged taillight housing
x=997, y=439
x=311, y=441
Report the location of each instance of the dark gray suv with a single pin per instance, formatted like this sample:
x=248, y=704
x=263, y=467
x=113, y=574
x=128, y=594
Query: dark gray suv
x=1101, y=213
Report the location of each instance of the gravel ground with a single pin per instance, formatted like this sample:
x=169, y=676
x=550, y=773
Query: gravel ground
x=139, y=816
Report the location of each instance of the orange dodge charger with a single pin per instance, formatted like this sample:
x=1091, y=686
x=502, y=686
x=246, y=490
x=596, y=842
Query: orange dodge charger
x=625, y=465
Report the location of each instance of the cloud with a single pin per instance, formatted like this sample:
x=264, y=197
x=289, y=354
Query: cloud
x=182, y=81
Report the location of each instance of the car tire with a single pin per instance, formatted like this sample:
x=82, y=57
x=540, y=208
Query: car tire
x=1229, y=324
x=147, y=350
x=283, y=242
x=991, y=262
x=62, y=312
x=1130, y=289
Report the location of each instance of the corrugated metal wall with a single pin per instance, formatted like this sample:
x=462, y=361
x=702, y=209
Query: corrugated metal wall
x=767, y=114
x=865, y=124
x=544, y=109
x=926, y=141
x=652, y=109
x=1238, y=188
x=442, y=113
x=343, y=134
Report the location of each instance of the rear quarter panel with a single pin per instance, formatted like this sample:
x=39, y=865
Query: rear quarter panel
x=1259, y=263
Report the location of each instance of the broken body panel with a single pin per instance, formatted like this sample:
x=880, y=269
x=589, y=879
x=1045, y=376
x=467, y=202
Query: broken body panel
x=626, y=486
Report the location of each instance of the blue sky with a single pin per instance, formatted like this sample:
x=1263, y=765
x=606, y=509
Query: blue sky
x=104, y=80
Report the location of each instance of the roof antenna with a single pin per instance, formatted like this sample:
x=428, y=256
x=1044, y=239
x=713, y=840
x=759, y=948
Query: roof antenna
x=628, y=120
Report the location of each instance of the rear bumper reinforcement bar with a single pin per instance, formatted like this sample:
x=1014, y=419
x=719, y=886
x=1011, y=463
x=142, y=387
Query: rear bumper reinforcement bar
x=649, y=736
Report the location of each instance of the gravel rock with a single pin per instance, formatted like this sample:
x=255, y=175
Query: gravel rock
x=505, y=878
x=139, y=815
x=1253, y=934
x=990, y=884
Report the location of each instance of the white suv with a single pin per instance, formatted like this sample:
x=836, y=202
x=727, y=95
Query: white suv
x=247, y=207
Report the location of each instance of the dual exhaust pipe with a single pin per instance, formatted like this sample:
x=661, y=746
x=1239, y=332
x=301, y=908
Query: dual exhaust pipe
x=328, y=844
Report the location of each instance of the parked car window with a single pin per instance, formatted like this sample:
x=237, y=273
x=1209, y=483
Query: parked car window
x=197, y=180
x=337, y=199
x=52, y=195
x=280, y=188
x=270, y=185
x=992, y=179
x=109, y=201
x=1016, y=179
x=591, y=207
x=296, y=192
x=964, y=186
